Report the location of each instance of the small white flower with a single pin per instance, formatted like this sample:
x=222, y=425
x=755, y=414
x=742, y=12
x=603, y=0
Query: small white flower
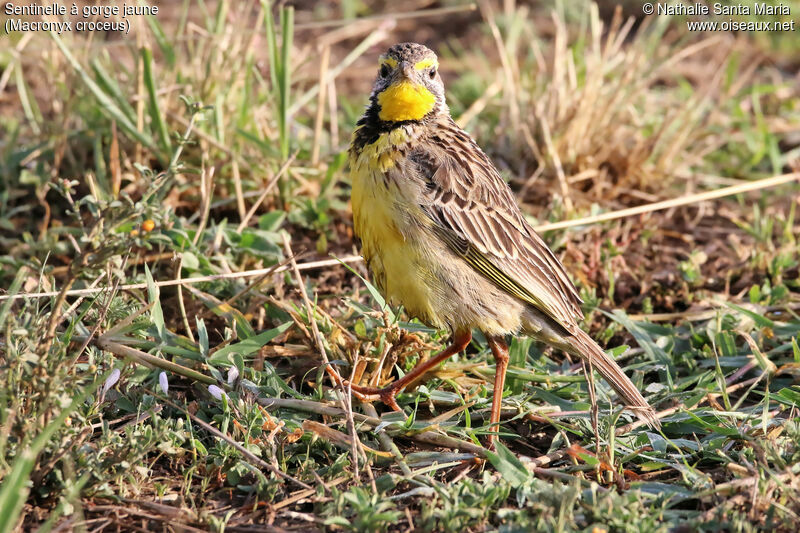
x=216, y=392
x=163, y=383
x=111, y=380
x=233, y=375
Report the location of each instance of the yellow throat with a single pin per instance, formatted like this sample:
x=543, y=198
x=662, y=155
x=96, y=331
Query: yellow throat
x=405, y=101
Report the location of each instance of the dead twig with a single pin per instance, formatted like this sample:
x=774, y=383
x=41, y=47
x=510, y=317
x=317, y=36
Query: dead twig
x=675, y=202
x=267, y=188
x=347, y=399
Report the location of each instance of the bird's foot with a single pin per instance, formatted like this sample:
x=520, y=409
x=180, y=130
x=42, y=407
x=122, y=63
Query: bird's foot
x=387, y=395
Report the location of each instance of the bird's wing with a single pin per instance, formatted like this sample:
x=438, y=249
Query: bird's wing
x=474, y=212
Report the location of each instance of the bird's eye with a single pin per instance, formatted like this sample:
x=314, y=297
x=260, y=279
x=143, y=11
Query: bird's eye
x=385, y=70
x=432, y=72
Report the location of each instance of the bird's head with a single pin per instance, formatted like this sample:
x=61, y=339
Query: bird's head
x=408, y=86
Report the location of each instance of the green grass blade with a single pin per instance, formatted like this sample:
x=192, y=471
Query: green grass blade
x=29, y=107
x=167, y=50
x=14, y=489
x=287, y=27
x=219, y=119
x=374, y=292
x=272, y=45
x=221, y=17
x=108, y=84
x=152, y=92
x=518, y=356
x=12, y=290
x=107, y=105
x=509, y=466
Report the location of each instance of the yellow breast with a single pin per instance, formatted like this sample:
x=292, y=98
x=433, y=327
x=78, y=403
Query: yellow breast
x=380, y=220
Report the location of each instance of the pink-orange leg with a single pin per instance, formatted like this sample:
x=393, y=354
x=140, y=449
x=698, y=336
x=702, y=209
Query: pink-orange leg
x=387, y=394
x=500, y=352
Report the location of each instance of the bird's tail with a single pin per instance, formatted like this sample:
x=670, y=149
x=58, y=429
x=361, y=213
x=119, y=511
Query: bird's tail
x=583, y=346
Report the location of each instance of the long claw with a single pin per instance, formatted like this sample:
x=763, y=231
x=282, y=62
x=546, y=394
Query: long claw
x=387, y=394
x=387, y=397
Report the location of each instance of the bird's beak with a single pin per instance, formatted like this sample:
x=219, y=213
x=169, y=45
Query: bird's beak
x=408, y=70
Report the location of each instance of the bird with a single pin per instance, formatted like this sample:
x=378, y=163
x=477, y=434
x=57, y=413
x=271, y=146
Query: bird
x=442, y=235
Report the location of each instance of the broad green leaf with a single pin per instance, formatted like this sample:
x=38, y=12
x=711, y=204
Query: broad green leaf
x=251, y=345
x=156, y=314
x=202, y=337
x=508, y=465
x=759, y=319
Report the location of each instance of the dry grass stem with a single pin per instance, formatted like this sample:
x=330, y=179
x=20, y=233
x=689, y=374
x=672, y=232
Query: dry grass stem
x=674, y=202
x=198, y=279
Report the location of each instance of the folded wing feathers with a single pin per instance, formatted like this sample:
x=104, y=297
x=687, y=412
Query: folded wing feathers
x=474, y=213
x=482, y=212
